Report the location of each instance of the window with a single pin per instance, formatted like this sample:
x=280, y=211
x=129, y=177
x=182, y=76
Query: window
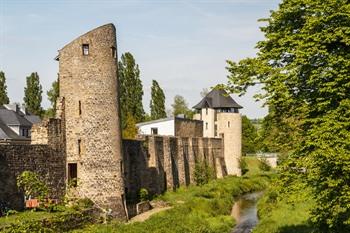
x=206, y=125
x=206, y=111
x=79, y=146
x=215, y=130
x=72, y=174
x=114, y=52
x=85, y=49
x=79, y=107
x=121, y=166
x=154, y=131
x=228, y=124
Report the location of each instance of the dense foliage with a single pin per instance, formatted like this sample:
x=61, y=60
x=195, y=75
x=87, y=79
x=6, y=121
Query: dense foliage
x=30, y=183
x=130, y=131
x=53, y=95
x=4, y=99
x=130, y=87
x=249, y=137
x=180, y=106
x=157, y=104
x=303, y=64
x=33, y=94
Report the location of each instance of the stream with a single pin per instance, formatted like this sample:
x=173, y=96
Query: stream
x=245, y=212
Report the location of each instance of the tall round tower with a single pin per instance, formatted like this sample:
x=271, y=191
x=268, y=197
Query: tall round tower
x=88, y=84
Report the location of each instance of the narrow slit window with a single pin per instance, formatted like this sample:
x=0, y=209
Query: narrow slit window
x=85, y=49
x=72, y=174
x=114, y=52
x=79, y=146
x=79, y=107
x=228, y=124
x=206, y=125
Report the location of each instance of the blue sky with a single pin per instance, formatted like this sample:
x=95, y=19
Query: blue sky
x=181, y=44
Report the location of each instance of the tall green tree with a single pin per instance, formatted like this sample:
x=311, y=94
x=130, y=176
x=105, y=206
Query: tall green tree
x=53, y=95
x=33, y=94
x=157, y=103
x=4, y=99
x=303, y=64
x=249, y=136
x=180, y=106
x=130, y=87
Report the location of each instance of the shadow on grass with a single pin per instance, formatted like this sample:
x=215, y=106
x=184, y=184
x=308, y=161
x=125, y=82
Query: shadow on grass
x=302, y=228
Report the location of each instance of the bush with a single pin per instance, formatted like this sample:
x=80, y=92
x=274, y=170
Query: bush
x=243, y=165
x=264, y=165
x=32, y=186
x=143, y=194
x=203, y=173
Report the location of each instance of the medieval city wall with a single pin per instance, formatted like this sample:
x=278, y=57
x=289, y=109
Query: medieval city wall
x=160, y=163
x=47, y=162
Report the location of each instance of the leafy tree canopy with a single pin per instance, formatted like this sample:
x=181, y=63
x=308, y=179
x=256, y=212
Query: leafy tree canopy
x=33, y=94
x=4, y=99
x=157, y=104
x=303, y=66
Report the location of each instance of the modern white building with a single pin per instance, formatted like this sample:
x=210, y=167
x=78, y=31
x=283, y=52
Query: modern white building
x=172, y=126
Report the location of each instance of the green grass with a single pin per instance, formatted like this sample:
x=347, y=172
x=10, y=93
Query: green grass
x=253, y=165
x=195, y=209
x=24, y=216
x=287, y=215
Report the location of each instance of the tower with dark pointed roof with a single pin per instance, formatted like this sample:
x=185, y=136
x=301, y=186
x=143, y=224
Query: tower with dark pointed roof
x=221, y=118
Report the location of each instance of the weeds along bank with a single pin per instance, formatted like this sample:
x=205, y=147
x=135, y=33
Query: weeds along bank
x=204, y=208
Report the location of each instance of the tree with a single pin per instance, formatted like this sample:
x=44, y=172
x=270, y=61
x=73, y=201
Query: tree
x=249, y=136
x=204, y=92
x=157, y=104
x=53, y=95
x=303, y=65
x=32, y=94
x=130, y=87
x=4, y=99
x=130, y=131
x=180, y=106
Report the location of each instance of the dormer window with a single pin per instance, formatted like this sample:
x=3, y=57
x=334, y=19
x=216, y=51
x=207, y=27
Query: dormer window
x=85, y=49
x=114, y=52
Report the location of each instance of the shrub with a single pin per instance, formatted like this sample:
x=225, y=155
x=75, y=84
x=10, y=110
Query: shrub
x=143, y=194
x=243, y=165
x=264, y=164
x=32, y=186
x=203, y=173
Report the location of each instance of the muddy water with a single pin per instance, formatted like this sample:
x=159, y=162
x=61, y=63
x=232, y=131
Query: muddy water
x=245, y=212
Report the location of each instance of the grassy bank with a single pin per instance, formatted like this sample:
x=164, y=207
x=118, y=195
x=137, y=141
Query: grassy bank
x=288, y=213
x=195, y=209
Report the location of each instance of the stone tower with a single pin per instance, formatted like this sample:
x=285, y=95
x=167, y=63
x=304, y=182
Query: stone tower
x=88, y=87
x=221, y=118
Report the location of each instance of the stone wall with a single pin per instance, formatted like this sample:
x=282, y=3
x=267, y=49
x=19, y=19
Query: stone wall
x=160, y=163
x=47, y=162
x=188, y=128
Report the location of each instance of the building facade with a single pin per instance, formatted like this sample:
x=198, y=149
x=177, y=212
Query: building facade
x=221, y=119
x=88, y=89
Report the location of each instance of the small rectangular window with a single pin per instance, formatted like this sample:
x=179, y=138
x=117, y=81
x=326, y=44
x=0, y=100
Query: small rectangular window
x=206, y=125
x=154, y=131
x=72, y=174
x=85, y=49
x=215, y=130
x=206, y=111
x=228, y=124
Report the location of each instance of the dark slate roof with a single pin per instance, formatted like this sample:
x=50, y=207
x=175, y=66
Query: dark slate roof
x=9, y=117
x=34, y=119
x=7, y=133
x=217, y=98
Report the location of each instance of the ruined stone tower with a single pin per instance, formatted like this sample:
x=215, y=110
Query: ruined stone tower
x=88, y=87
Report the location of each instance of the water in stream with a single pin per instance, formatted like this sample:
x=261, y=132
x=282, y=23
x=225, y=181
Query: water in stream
x=245, y=212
